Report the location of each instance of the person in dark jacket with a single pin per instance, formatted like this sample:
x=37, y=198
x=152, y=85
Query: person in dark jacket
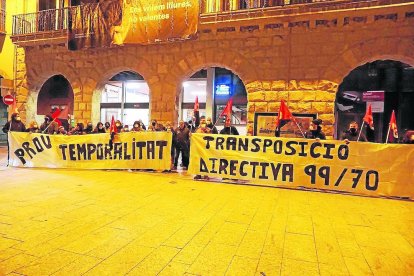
x=99, y=128
x=15, y=124
x=182, y=145
x=49, y=126
x=228, y=128
x=211, y=126
x=137, y=127
x=89, y=128
x=315, y=130
x=352, y=133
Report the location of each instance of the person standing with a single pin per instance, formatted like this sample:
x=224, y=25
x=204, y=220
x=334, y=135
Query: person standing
x=15, y=124
x=211, y=126
x=182, y=145
x=315, y=130
x=351, y=134
x=228, y=128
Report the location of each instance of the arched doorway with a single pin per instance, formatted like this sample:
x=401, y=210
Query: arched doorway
x=364, y=85
x=56, y=92
x=125, y=96
x=214, y=86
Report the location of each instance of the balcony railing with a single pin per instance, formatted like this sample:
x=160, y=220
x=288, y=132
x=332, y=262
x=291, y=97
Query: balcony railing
x=2, y=21
x=58, y=20
x=42, y=21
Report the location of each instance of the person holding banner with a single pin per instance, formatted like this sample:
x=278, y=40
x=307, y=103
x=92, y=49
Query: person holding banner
x=49, y=126
x=315, y=130
x=202, y=128
x=137, y=127
x=99, y=128
x=228, y=128
x=33, y=127
x=352, y=134
x=211, y=126
x=15, y=124
x=78, y=130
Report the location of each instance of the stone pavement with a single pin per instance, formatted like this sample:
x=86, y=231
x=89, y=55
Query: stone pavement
x=67, y=222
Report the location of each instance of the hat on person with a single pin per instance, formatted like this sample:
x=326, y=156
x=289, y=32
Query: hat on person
x=317, y=122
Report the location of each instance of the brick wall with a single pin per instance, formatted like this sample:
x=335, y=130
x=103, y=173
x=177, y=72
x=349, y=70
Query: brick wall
x=301, y=59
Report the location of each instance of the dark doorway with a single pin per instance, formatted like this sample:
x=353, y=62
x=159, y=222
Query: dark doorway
x=55, y=92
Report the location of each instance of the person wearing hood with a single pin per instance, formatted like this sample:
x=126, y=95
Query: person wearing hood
x=99, y=128
x=33, y=127
x=118, y=126
x=89, y=128
x=315, y=130
x=352, y=133
x=136, y=127
x=211, y=126
x=142, y=125
x=49, y=126
x=107, y=126
x=15, y=124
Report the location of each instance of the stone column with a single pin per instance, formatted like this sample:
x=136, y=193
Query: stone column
x=210, y=92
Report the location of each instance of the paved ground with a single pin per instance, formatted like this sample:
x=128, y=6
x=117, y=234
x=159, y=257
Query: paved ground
x=66, y=222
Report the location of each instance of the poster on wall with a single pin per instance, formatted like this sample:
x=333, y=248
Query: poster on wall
x=118, y=22
x=152, y=21
x=265, y=124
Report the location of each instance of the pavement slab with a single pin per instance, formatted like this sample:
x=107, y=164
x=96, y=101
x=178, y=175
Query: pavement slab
x=115, y=222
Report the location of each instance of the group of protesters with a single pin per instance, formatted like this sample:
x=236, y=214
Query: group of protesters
x=181, y=133
x=180, y=141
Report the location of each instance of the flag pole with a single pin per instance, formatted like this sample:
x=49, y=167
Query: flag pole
x=303, y=135
x=360, y=131
x=388, y=134
x=44, y=131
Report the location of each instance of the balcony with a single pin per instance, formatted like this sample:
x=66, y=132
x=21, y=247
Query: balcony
x=51, y=26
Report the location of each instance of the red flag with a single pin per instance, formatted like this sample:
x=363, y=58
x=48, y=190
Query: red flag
x=56, y=113
x=228, y=109
x=196, y=105
x=113, y=128
x=64, y=113
x=284, y=115
x=368, y=119
x=393, y=133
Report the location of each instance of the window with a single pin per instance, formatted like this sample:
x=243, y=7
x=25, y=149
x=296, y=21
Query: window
x=112, y=93
x=3, y=16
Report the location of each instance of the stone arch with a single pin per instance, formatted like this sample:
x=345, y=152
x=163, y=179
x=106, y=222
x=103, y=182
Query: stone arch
x=95, y=100
x=191, y=63
x=368, y=51
x=104, y=70
x=37, y=74
x=231, y=60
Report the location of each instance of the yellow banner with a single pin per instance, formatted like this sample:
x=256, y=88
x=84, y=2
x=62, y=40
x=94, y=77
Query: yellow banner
x=151, y=21
x=130, y=150
x=360, y=168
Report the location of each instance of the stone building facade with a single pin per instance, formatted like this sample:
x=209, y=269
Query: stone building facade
x=298, y=53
